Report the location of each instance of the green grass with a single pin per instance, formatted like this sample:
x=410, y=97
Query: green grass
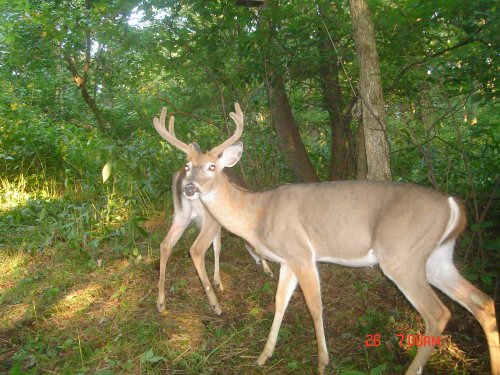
x=85, y=304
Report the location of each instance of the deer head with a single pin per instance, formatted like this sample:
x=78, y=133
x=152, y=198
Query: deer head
x=203, y=170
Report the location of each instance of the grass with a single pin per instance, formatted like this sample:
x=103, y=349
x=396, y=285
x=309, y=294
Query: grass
x=73, y=308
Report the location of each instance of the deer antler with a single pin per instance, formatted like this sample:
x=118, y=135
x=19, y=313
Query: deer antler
x=169, y=135
x=238, y=119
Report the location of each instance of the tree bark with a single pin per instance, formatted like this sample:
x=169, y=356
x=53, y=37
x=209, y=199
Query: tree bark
x=370, y=91
x=361, y=165
x=340, y=152
x=287, y=132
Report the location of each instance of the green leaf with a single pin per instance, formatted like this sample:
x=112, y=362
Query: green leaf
x=255, y=311
x=471, y=274
x=484, y=225
x=378, y=370
x=487, y=280
x=17, y=370
x=150, y=357
x=156, y=358
x=42, y=214
x=146, y=356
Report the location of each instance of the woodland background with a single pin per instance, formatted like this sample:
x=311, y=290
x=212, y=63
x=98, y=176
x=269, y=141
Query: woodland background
x=85, y=179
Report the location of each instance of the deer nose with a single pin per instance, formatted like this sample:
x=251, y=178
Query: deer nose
x=191, y=189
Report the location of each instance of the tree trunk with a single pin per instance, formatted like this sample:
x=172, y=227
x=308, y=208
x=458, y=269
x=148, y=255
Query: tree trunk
x=340, y=154
x=370, y=91
x=341, y=140
x=287, y=132
x=81, y=83
x=361, y=165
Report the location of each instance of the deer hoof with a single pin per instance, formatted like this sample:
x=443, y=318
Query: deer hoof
x=217, y=309
x=262, y=359
x=219, y=285
x=160, y=305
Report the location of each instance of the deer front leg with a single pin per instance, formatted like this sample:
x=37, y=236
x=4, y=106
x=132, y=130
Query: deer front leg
x=286, y=285
x=217, y=246
x=208, y=233
x=166, y=246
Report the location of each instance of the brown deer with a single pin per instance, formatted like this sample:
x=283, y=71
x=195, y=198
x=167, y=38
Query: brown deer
x=406, y=229
x=187, y=211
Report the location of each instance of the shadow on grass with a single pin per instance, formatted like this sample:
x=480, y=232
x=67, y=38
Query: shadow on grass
x=61, y=312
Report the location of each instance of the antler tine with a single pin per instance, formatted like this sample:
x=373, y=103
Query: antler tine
x=238, y=119
x=171, y=126
x=169, y=135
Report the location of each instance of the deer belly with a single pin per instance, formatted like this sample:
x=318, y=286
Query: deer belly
x=367, y=260
x=269, y=255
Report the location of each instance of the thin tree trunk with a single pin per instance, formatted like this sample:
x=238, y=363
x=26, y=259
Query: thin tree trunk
x=341, y=138
x=81, y=83
x=287, y=132
x=370, y=91
x=341, y=157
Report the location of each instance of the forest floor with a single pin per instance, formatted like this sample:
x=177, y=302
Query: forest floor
x=64, y=313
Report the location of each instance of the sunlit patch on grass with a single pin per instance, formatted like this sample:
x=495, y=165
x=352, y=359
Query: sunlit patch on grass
x=189, y=332
x=18, y=192
x=12, y=314
x=10, y=264
x=76, y=302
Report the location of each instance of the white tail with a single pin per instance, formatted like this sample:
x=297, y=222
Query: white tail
x=185, y=212
x=408, y=230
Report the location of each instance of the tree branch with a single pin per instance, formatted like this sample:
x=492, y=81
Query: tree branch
x=427, y=58
x=176, y=111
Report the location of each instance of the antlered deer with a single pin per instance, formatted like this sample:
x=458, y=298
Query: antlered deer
x=187, y=211
x=406, y=229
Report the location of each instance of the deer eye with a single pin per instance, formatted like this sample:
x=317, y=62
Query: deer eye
x=186, y=168
x=211, y=167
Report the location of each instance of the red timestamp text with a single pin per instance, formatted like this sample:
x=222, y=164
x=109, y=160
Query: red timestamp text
x=405, y=340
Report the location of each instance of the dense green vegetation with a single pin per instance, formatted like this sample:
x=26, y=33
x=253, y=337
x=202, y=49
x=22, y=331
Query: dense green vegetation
x=83, y=173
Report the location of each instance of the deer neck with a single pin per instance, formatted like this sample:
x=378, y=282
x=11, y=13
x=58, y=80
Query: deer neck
x=233, y=207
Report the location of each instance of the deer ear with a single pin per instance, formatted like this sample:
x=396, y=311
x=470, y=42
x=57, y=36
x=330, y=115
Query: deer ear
x=194, y=147
x=231, y=155
x=197, y=147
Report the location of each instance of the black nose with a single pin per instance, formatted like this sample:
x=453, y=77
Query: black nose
x=190, y=189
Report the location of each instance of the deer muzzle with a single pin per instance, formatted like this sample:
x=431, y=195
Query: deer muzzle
x=191, y=189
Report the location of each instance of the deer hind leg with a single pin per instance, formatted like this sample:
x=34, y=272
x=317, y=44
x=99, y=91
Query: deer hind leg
x=208, y=233
x=310, y=284
x=442, y=273
x=175, y=232
x=217, y=246
x=412, y=281
x=286, y=285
